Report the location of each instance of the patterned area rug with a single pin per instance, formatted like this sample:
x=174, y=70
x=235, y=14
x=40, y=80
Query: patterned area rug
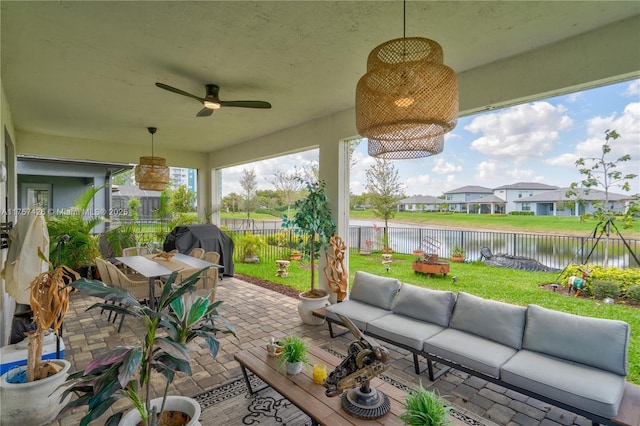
x=229, y=404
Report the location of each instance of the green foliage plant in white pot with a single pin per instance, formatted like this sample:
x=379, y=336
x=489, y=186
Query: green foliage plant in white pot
x=179, y=317
x=294, y=355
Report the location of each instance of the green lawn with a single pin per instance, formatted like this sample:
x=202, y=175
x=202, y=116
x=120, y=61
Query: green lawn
x=518, y=287
x=548, y=224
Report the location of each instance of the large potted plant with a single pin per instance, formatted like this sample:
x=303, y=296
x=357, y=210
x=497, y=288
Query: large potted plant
x=251, y=245
x=30, y=395
x=312, y=220
x=71, y=234
x=125, y=372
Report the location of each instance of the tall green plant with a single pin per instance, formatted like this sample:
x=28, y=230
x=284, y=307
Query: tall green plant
x=600, y=172
x=81, y=247
x=313, y=219
x=125, y=372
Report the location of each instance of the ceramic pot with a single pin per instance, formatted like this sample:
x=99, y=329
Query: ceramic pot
x=35, y=403
x=184, y=404
x=293, y=368
x=306, y=306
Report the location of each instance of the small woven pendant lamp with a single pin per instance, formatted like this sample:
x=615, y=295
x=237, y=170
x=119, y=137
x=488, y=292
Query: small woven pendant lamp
x=152, y=172
x=407, y=100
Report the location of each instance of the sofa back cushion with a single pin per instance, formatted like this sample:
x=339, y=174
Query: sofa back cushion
x=374, y=290
x=497, y=321
x=597, y=342
x=434, y=306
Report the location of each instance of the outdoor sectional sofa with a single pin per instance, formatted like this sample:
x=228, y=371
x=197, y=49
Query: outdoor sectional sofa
x=574, y=362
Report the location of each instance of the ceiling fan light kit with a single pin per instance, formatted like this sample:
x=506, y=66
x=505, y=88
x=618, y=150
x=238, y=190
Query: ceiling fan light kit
x=407, y=100
x=212, y=101
x=152, y=173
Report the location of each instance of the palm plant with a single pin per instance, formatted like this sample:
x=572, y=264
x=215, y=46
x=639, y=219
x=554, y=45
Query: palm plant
x=125, y=372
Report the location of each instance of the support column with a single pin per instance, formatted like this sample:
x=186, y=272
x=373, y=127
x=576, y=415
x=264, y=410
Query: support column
x=334, y=171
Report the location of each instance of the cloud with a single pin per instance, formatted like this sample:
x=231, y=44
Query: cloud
x=633, y=89
x=626, y=124
x=443, y=167
x=521, y=132
x=494, y=172
x=264, y=170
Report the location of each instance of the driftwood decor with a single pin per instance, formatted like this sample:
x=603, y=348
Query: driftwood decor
x=335, y=271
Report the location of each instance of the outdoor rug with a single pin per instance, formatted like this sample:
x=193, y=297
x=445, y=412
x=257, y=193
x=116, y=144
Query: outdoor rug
x=229, y=404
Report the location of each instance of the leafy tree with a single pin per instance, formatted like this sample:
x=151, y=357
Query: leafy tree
x=163, y=211
x=231, y=202
x=182, y=200
x=249, y=184
x=134, y=205
x=289, y=185
x=600, y=172
x=385, y=189
x=125, y=178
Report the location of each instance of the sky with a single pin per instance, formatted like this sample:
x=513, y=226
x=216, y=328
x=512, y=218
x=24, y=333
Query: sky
x=533, y=142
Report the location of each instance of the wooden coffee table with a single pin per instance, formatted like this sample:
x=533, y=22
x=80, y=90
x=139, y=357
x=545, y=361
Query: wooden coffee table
x=309, y=397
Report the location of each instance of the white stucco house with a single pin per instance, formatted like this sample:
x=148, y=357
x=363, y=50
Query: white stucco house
x=421, y=203
x=556, y=202
x=458, y=199
x=520, y=191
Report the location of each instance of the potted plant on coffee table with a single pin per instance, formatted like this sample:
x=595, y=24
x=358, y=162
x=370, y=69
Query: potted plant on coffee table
x=294, y=354
x=36, y=385
x=315, y=226
x=178, y=317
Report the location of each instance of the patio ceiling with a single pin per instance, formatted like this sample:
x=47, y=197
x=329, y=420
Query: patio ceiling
x=87, y=69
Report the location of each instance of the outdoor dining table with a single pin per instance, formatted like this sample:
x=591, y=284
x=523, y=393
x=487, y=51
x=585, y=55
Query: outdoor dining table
x=152, y=267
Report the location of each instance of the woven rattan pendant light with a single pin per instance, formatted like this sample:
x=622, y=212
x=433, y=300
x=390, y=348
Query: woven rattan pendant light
x=407, y=100
x=152, y=172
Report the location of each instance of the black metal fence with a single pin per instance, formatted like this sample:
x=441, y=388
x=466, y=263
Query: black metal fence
x=555, y=251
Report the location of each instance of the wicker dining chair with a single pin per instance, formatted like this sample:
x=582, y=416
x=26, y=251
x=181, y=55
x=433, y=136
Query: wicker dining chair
x=211, y=256
x=197, y=253
x=135, y=251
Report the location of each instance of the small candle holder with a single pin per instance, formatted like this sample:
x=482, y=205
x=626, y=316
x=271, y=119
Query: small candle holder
x=319, y=373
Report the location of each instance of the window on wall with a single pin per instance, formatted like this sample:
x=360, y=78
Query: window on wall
x=36, y=195
x=526, y=207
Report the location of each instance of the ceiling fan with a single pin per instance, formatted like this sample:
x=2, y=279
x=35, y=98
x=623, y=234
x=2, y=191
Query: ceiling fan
x=211, y=101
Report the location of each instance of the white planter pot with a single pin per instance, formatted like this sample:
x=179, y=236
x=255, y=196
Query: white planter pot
x=293, y=368
x=184, y=404
x=306, y=306
x=35, y=403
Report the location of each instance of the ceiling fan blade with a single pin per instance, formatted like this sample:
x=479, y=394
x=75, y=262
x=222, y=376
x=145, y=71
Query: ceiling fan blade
x=179, y=92
x=204, y=112
x=246, y=104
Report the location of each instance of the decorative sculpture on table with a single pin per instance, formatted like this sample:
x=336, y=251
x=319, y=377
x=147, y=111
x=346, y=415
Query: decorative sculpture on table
x=335, y=271
x=366, y=359
x=165, y=255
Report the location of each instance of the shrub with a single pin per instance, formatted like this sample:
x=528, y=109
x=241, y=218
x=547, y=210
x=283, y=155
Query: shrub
x=601, y=289
x=623, y=277
x=634, y=293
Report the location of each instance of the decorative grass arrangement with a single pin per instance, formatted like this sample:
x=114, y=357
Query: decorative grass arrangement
x=294, y=349
x=424, y=408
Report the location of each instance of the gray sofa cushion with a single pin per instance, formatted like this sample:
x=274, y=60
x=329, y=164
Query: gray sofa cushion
x=498, y=321
x=358, y=312
x=433, y=306
x=467, y=349
x=374, y=290
x=593, y=390
x=600, y=343
x=403, y=330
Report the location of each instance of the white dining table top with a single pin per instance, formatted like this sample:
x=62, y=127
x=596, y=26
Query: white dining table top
x=150, y=266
